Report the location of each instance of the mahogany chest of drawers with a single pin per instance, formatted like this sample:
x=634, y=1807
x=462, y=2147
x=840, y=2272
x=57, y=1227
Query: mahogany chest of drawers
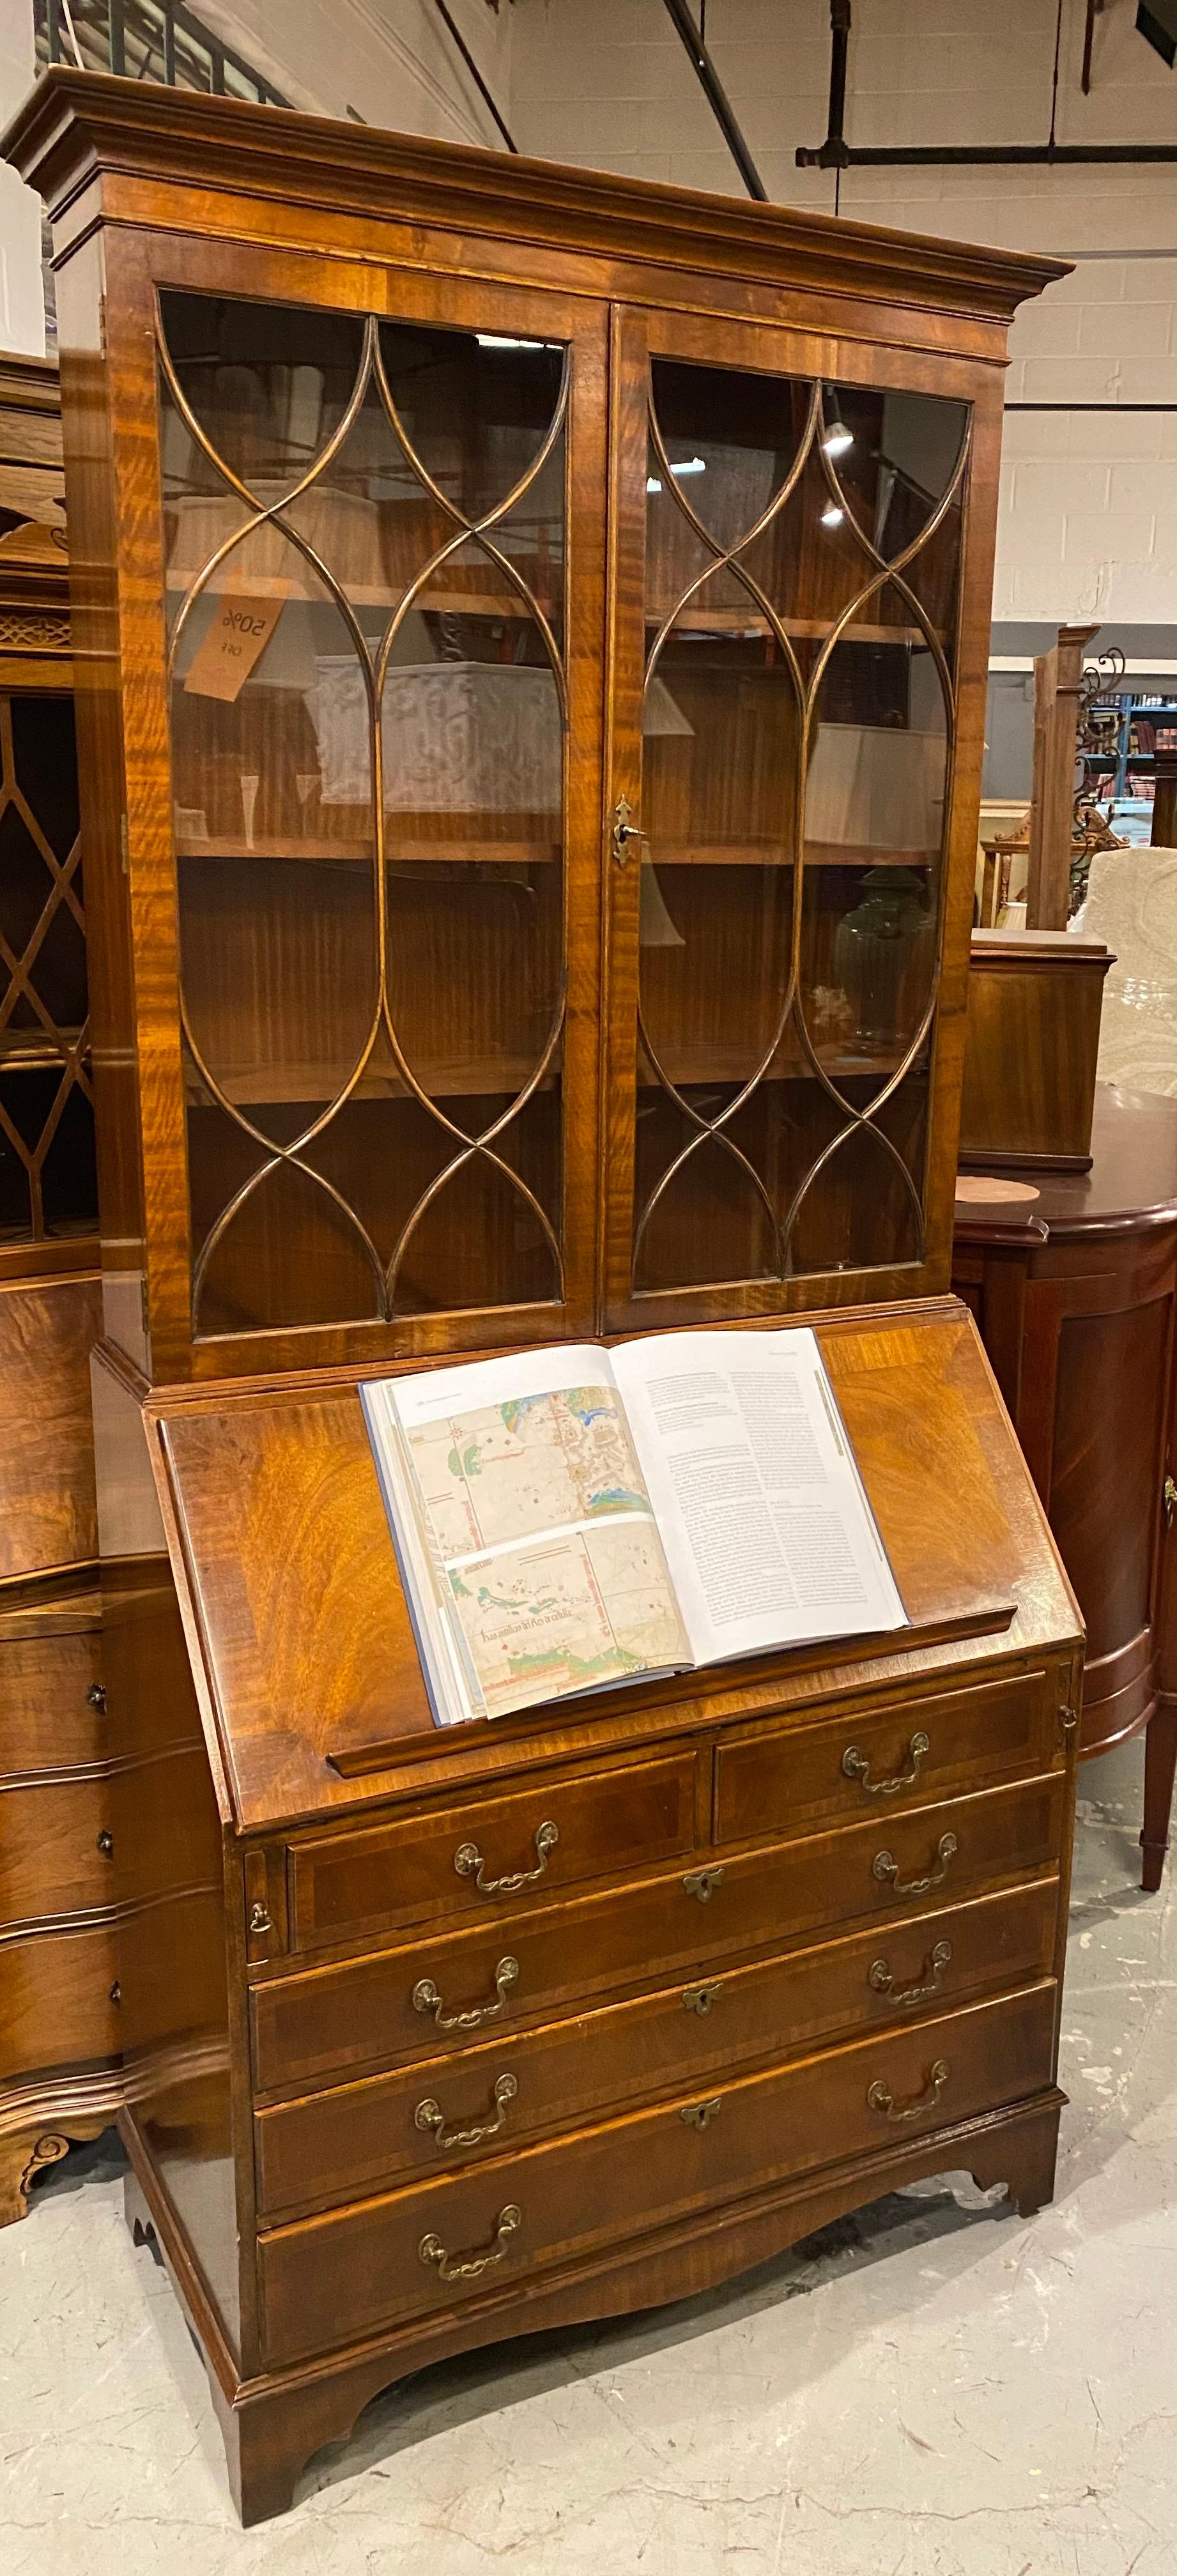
x=721, y=1959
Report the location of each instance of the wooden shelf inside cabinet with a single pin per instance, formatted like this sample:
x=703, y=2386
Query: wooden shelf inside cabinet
x=776, y=854
x=30, y=1050
x=505, y=608
x=314, y=1085
x=414, y=853
x=751, y=624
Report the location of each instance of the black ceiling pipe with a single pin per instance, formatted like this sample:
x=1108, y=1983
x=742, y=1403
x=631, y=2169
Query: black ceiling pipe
x=716, y=97
x=982, y=155
x=475, y=74
x=836, y=154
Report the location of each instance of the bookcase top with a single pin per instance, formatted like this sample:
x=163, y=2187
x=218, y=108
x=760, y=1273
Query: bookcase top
x=287, y=1576
x=74, y=126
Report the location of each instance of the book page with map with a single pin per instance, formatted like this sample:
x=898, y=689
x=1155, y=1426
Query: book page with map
x=568, y=1519
x=538, y=1568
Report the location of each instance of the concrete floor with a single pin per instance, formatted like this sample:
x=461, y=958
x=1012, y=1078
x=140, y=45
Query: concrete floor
x=929, y=2389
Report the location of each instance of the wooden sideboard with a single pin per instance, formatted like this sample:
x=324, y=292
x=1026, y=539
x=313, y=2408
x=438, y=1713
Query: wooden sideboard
x=59, y=2042
x=1076, y=1309
x=532, y=666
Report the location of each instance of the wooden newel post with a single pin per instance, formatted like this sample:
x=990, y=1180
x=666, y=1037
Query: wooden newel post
x=1058, y=679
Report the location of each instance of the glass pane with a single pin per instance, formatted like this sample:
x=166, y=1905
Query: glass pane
x=476, y=412
x=875, y=796
x=47, y=1182
x=782, y=1061
x=368, y=769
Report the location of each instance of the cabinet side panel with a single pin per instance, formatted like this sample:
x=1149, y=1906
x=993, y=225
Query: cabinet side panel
x=81, y=299
x=1103, y=1500
x=168, y=1868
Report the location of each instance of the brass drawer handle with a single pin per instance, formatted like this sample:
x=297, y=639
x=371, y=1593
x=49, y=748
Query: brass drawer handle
x=466, y=2267
x=1169, y=1498
x=259, y=1920
x=881, y=2098
x=887, y=1868
x=703, y=1883
x=699, y=1999
x=699, y=2115
x=469, y=1863
x=426, y=1999
x=96, y=1697
x=856, y=1767
x=104, y=1842
x=430, y=2116
x=881, y=1979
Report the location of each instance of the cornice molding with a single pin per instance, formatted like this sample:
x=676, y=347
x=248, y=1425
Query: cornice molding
x=76, y=127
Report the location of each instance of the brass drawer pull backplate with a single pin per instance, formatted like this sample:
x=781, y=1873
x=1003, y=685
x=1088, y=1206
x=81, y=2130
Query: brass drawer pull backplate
x=466, y=2267
x=469, y=1863
x=430, y=2117
x=881, y=2098
x=426, y=1999
x=885, y=1867
x=928, y=1983
x=856, y=1767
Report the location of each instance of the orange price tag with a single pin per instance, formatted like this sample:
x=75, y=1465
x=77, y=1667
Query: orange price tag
x=240, y=630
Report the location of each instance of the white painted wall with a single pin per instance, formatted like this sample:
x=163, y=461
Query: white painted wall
x=1088, y=523
x=1088, y=526
x=392, y=60
x=22, y=304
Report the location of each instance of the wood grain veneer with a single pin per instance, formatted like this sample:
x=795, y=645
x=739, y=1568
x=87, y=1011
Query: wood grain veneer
x=1077, y=1312
x=299, y=1959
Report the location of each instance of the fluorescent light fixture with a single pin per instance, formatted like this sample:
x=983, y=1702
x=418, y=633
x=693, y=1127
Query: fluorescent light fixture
x=837, y=438
x=693, y=465
x=497, y=340
x=832, y=516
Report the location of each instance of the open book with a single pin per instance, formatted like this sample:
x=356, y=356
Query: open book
x=571, y=1518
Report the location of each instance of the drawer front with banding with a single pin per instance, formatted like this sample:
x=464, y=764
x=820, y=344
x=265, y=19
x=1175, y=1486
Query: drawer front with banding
x=59, y=2001
x=527, y=1965
x=475, y=1858
x=56, y=1848
x=50, y=1702
x=360, y=2137
x=884, y=1759
x=327, y=2281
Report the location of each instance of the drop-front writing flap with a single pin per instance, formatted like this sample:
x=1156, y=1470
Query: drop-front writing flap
x=310, y=1657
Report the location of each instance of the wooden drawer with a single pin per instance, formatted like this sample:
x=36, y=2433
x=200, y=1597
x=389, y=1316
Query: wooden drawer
x=892, y=1757
x=56, y=2007
x=50, y=1857
x=477, y=1857
x=48, y=1519
x=327, y=2281
x=529, y=1964
x=361, y=2137
x=46, y=1720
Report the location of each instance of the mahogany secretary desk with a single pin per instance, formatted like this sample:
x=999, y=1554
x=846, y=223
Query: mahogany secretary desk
x=533, y=637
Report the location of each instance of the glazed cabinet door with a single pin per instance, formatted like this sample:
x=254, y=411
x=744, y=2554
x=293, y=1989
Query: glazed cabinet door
x=794, y=768
x=380, y=599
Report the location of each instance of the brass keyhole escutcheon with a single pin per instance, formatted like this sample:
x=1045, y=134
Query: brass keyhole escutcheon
x=699, y=2115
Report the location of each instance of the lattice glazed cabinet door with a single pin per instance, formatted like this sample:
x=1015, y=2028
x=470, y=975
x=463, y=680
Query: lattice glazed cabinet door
x=786, y=736
x=385, y=922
